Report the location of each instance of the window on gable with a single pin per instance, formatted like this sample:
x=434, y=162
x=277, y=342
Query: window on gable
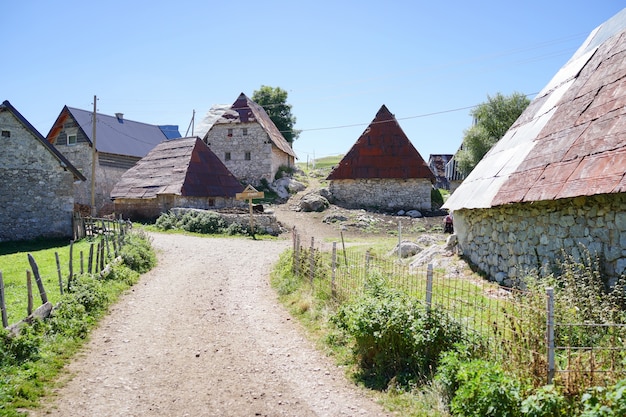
x=6, y=133
x=230, y=132
x=71, y=139
x=244, y=131
x=248, y=156
x=227, y=156
x=211, y=202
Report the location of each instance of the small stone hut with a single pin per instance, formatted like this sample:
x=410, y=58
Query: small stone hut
x=36, y=195
x=247, y=141
x=178, y=173
x=556, y=181
x=382, y=170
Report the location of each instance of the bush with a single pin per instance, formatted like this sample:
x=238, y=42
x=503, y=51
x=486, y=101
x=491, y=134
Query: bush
x=395, y=336
x=485, y=390
x=24, y=347
x=545, y=402
x=603, y=402
x=137, y=253
x=436, y=198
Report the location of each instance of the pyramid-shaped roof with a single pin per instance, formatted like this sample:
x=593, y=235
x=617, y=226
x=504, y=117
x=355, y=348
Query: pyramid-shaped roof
x=184, y=167
x=244, y=110
x=382, y=151
x=570, y=141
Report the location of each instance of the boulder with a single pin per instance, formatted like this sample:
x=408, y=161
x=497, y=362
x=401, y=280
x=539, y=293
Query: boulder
x=286, y=186
x=313, y=202
x=414, y=214
x=406, y=249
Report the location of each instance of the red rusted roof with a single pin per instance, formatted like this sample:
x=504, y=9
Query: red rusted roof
x=245, y=110
x=570, y=141
x=185, y=167
x=382, y=151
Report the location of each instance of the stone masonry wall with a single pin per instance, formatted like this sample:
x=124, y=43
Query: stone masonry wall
x=140, y=209
x=508, y=241
x=383, y=193
x=263, y=162
x=36, y=198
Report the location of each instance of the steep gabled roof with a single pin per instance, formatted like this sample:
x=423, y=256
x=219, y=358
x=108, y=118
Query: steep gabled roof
x=382, y=151
x=184, y=167
x=245, y=110
x=570, y=141
x=67, y=165
x=115, y=135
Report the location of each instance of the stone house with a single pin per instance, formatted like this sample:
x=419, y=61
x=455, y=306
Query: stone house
x=382, y=170
x=36, y=190
x=177, y=173
x=453, y=174
x=247, y=141
x=556, y=181
x=120, y=143
x=437, y=164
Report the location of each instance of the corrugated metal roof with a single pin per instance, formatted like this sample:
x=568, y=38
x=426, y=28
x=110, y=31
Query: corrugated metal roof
x=382, y=151
x=118, y=136
x=185, y=167
x=244, y=110
x=570, y=141
x=63, y=161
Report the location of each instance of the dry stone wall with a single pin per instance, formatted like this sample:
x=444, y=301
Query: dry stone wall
x=383, y=193
x=508, y=241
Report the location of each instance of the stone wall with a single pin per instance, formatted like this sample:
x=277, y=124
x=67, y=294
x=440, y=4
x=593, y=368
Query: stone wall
x=266, y=221
x=264, y=158
x=150, y=209
x=36, y=198
x=508, y=241
x=392, y=194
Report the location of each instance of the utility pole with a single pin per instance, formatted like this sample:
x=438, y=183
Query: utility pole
x=94, y=157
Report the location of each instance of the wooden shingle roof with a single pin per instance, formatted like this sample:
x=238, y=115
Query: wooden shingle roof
x=382, y=151
x=184, y=167
x=570, y=141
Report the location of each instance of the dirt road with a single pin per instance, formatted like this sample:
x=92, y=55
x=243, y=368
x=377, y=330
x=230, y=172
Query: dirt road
x=203, y=335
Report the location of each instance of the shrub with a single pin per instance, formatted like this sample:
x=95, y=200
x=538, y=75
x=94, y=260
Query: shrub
x=395, y=336
x=89, y=292
x=485, y=390
x=137, y=253
x=545, y=402
x=436, y=198
x=605, y=402
x=17, y=349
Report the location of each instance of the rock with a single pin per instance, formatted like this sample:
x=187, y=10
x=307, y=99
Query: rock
x=287, y=186
x=313, y=202
x=406, y=249
x=325, y=192
x=334, y=218
x=401, y=213
x=451, y=242
x=414, y=214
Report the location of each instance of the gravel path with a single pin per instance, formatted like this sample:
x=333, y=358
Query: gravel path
x=202, y=334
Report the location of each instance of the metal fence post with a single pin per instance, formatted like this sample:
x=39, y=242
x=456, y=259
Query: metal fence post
x=550, y=333
x=429, y=286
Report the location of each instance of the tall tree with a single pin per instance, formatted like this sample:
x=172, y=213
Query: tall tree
x=274, y=101
x=492, y=119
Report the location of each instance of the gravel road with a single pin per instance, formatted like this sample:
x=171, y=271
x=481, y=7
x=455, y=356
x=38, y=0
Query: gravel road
x=202, y=334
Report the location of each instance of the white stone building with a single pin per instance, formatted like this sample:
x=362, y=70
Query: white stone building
x=247, y=141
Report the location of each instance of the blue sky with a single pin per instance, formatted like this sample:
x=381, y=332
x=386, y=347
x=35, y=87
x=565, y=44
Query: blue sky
x=158, y=61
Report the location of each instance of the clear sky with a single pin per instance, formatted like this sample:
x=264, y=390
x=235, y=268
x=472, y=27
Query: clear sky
x=340, y=61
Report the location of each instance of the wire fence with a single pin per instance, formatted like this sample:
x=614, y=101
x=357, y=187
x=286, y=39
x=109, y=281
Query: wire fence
x=514, y=327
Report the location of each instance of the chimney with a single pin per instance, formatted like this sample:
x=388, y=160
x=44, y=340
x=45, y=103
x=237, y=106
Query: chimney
x=120, y=117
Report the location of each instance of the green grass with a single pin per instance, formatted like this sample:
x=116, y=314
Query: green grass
x=14, y=264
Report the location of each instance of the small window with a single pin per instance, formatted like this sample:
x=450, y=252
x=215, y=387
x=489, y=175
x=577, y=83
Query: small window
x=248, y=156
x=6, y=133
x=227, y=156
x=244, y=131
x=71, y=139
x=211, y=202
x=230, y=132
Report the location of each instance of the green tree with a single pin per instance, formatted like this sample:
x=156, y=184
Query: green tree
x=274, y=101
x=492, y=119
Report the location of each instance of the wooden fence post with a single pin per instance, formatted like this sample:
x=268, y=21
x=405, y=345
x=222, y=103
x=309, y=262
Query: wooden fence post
x=35, y=268
x=3, y=310
x=333, y=289
x=429, y=287
x=550, y=333
x=56, y=256
x=312, y=263
x=90, y=260
x=29, y=293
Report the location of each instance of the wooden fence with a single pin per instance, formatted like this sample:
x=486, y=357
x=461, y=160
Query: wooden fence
x=108, y=240
x=516, y=328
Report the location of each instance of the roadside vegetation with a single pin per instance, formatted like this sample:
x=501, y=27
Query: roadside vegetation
x=31, y=358
x=419, y=362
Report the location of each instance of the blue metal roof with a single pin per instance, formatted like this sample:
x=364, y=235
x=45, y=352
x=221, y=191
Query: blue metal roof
x=170, y=131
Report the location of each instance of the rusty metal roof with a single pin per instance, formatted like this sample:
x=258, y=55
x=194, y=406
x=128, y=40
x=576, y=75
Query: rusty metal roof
x=382, y=151
x=185, y=167
x=570, y=141
x=244, y=110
